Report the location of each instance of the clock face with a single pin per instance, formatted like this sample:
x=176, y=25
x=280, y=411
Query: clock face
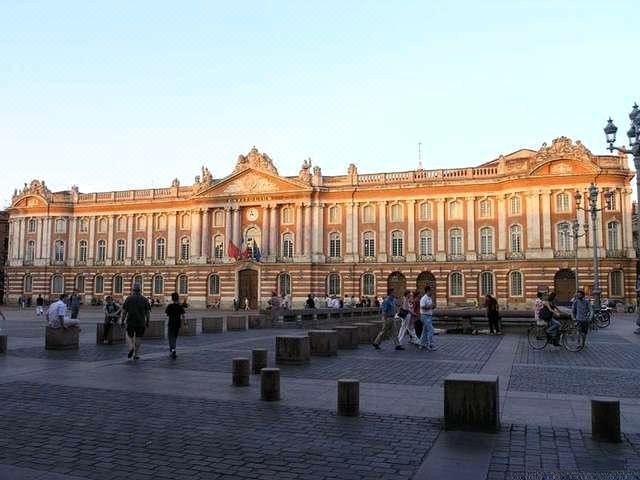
x=252, y=214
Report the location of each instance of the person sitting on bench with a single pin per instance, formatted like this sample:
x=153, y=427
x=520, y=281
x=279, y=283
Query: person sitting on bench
x=57, y=315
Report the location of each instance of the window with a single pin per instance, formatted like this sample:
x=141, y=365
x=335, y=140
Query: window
x=486, y=241
x=515, y=235
x=183, y=285
x=160, y=249
x=27, y=283
x=455, y=241
x=59, y=251
x=102, y=225
x=98, y=285
x=214, y=284
x=454, y=210
x=562, y=203
x=333, y=284
x=397, y=243
x=614, y=204
x=32, y=225
x=284, y=284
x=80, y=283
x=486, y=283
x=369, y=248
x=218, y=218
x=101, y=252
x=287, y=245
x=485, y=208
x=426, y=242
x=121, y=224
x=120, y=250
x=425, y=211
x=218, y=246
x=287, y=215
x=515, y=284
x=564, y=237
x=117, y=285
x=140, y=250
x=368, y=214
x=252, y=239
x=396, y=212
x=613, y=234
x=141, y=223
x=158, y=285
x=161, y=222
x=184, y=249
x=30, y=251
x=137, y=280
x=334, y=214
x=514, y=205
x=616, y=283
x=334, y=245
x=82, y=251
x=185, y=221
x=455, y=284
x=57, y=284
x=368, y=284
x=60, y=225
x=84, y=225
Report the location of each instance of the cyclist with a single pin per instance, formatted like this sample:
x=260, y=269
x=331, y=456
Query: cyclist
x=581, y=313
x=547, y=313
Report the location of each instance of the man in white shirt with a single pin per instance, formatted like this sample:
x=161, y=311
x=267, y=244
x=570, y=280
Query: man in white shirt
x=57, y=314
x=426, y=316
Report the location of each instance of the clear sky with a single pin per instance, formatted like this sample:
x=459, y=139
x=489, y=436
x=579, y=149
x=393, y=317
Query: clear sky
x=130, y=94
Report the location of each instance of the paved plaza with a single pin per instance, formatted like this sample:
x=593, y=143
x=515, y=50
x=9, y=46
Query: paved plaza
x=93, y=414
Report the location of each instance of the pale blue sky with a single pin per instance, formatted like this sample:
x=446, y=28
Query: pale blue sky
x=121, y=94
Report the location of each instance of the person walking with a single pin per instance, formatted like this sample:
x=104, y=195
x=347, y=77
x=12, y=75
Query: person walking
x=581, y=313
x=39, y=305
x=175, y=312
x=136, y=311
x=406, y=327
x=74, y=304
x=310, y=303
x=112, y=313
x=389, y=327
x=426, y=316
x=493, y=315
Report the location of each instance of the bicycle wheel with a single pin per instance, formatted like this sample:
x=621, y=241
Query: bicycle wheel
x=603, y=319
x=537, y=336
x=572, y=340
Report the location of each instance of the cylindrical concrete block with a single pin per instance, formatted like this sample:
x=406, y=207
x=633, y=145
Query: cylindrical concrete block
x=292, y=350
x=236, y=322
x=323, y=343
x=270, y=384
x=3, y=344
x=212, y=324
x=347, y=337
x=188, y=328
x=348, y=397
x=62, y=338
x=240, y=372
x=605, y=420
x=365, y=332
x=258, y=359
x=155, y=329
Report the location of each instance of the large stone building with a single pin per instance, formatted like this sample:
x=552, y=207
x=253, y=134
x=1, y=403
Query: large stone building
x=499, y=227
x=4, y=248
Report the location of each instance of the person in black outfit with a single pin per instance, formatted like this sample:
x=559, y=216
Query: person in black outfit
x=310, y=303
x=493, y=315
x=135, y=312
x=175, y=312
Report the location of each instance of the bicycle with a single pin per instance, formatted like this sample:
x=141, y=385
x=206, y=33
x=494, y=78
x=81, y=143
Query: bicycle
x=571, y=338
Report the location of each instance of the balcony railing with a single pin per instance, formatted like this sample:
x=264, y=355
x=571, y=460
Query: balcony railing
x=98, y=263
x=564, y=254
x=487, y=256
x=454, y=257
x=426, y=258
x=137, y=262
x=285, y=259
x=616, y=254
x=515, y=256
x=27, y=263
x=368, y=259
x=398, y=259
x=335, y=259
x=158, y=261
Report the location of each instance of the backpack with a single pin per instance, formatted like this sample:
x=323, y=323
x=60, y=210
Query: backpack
x=545, y=313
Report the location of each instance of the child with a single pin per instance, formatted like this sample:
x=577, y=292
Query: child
x=175, y=312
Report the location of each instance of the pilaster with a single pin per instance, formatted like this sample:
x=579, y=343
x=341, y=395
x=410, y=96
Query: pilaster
x=382, y=231
x=471, y=253
x=441, y=247
x=411, y=230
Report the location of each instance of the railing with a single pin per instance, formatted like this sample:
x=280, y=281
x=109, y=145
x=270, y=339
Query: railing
x=515, y=256
x=368, y=259
x=137, y=262
x=334, y=259
x=428, y=175
x=616, y=254
x=487, y=256
x=27, y=263
x=455, y=258
x=156, y=261
x=564, y=254
x=98, y=263
x=398, y=259
x=285, y=259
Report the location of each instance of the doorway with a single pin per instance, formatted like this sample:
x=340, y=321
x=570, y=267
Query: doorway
x=564, y=284
x=248, y=287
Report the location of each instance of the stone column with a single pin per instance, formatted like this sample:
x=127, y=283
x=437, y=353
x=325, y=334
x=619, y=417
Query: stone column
x=533, y=224
x=205, y=237
x=148, y=251
x=40, y=239
x=601, y=229
x=356, y=242
x=237, y=234
x=266, y=248
x=382, y=231
x=317, y=229
x=502, y=234
x=130, y=250
x=308, y=232
x=21, y=243
x=626, y=212
x=348, y=247
x=298, y=239
x=195, y=235
x=171, y=237
x=73, y=222
x=274, y=232
x=110, y=232
x=441, y=247
x=546, y=221
x=411, y=230
x=471, y=253
x=582, y=218
x=228, y=232
x=92, y=240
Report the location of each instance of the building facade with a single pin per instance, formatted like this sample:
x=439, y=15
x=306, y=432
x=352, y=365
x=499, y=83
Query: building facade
x=4, y=249
x=498, y=228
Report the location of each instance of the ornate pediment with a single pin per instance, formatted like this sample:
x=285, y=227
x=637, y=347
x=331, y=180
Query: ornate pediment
x=36, y=187
x=256, y=160
x=563, y=147
x=249, y=182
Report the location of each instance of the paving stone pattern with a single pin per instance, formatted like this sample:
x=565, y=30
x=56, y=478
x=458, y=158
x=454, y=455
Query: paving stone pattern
x=103, y=434
x=86, y=353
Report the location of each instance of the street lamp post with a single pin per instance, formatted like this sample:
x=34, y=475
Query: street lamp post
x=575, y=228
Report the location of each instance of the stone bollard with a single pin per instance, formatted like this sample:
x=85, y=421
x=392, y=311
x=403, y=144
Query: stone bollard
x=258, y=360
x=605, y=420
x=471, y=402
x=117, y=333
x=270, y=384
x=62, y=339
x=348, y=397
x=292, y=350
x=365, y=332
x=155, y=329
x=323, y=343
x=347, y=337
x=3, y=344
x=212, y=324
x=188, y=328
x=258, y=321
x=236, y=323
x=240, y=372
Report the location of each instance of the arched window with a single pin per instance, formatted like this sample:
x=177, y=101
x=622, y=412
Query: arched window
x=160, y=249
x=287, y=215
x=98, y=285
x=183, y=285
x=140, y=250
x=369, y=247
x=158, y=285
x=514, y=204
x=102, y=225
x=333, y=284
x=334, y=245
x=120, y=250
x=454, y=210
x=486, y=241
x=137, y=279
x=80, y=283
x=218, y=246
x=141, y=222
x=218, y=218
x=486, y=283
x=30, y=251
x=425, y=211
x=82, y=251
x=101, y=251
x=515, y=235
x=368, y=214
x=426, y=242
x=613, y=235
x=84, y=225
x=616, y=284
x=368, y=284
x=515, y=284
x=61, y=225
x=214, y=284
x=32, y=225
x=334, y=214
x=287, y=245
x=27, y=283
x=485, y=208
x=565, y=240
x=456, y=288
x=396, y=212
x=562, y=203
x=284, y=284
x=161, y=222
x=455, y=241
x=184, y=248
x=397, y=243
x=121, y=224
x=117, y=285
x=253, y=239
x=59, y=251
x=57, y=284
x=613, y=205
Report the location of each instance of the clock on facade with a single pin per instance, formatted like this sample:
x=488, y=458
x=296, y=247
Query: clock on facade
x=252, y=214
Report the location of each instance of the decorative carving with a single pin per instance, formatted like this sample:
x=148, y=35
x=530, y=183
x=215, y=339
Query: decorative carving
x=352, y=170
x=305, y=175
x=202, y=182
x=257, y=160
x=36, y=187
x=251, y=183
x=175, y=183
x=564, y=147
